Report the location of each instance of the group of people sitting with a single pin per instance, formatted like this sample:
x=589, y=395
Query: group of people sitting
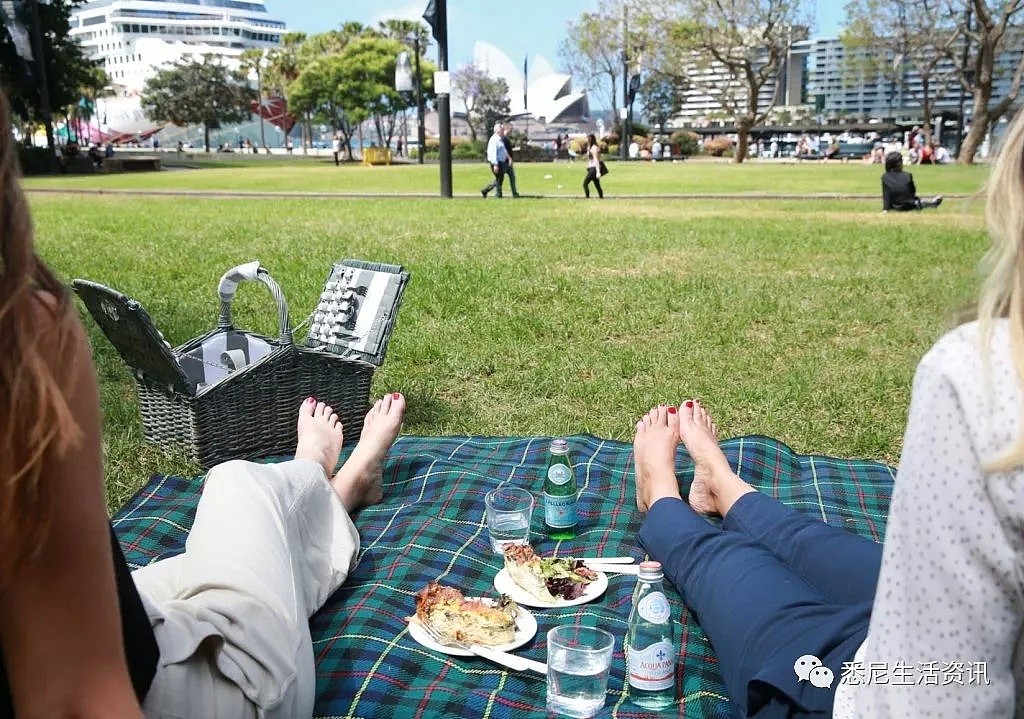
x=222, y=629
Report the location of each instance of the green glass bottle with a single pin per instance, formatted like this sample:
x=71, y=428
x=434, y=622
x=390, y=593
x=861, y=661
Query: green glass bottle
x=560, y=493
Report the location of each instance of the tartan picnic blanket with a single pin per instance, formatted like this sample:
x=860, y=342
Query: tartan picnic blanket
x=431, y=526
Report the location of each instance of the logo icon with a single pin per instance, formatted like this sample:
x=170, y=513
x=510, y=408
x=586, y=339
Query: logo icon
x=821, y=677
x=804, y=665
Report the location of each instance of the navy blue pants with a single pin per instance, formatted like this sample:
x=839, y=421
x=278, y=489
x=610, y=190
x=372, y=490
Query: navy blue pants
x=770, y=586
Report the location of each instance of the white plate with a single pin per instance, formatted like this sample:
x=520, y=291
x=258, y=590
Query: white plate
x=526, y=628
x=504, y=584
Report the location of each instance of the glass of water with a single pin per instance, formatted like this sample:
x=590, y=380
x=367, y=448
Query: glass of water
x=578, y=662
x=509, y=511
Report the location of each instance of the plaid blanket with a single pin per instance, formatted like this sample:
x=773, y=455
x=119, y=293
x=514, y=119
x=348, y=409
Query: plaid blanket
x=431, y=526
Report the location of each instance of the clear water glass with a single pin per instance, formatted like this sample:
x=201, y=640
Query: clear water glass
x=509, y=511
x=579, y=659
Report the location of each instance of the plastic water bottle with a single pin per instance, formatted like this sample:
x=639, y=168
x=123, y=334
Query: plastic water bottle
x=651, y=651
x=560, y=493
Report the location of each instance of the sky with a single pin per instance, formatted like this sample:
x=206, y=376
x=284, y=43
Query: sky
x=521, y=28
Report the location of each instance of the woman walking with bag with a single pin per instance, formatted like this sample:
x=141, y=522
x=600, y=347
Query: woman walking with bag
x=593, y=167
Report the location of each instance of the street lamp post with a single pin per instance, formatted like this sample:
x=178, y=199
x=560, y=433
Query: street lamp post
x=405, y=82
x=421, y=133
x=436, y=16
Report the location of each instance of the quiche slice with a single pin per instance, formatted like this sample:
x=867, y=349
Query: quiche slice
x=548, y=579
x=473, y=621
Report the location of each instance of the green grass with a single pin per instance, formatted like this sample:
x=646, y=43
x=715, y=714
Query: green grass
x=802, y=320
x=261, y=173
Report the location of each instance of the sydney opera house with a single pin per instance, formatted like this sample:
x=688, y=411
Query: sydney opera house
x=549, y=96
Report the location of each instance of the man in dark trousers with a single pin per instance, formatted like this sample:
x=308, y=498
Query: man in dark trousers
x=898, y=191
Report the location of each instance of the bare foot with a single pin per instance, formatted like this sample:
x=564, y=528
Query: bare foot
x=715, y=486
x=320, y=435
x=358, y=482
x=654, y=456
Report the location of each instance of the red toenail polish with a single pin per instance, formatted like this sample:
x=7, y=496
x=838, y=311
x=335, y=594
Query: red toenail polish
x=671, y=410
x=689, y=403
x=396, y=395
x=310, y=399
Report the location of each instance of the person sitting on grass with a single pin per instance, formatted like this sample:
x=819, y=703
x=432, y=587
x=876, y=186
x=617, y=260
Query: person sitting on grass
x=898, y=190
x=220, y=630
x=801, y=615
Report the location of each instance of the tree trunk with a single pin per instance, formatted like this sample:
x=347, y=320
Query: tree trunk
x=980, y=120
x=206, y=137
x=259, y=92
x=742, y=140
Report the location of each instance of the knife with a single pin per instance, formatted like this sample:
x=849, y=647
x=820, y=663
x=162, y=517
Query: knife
x=613, y=568
x=509, y=660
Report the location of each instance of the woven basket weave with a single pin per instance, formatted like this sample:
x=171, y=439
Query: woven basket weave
x=219, y=412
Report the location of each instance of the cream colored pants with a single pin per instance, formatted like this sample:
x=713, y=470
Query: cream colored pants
x=270, y=544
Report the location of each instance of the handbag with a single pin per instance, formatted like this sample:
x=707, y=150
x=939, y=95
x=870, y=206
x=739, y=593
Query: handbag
x=602, y=168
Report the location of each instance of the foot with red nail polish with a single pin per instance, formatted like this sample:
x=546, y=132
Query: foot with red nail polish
x=715, y=486
x=320, y=435
x=654, y=456
x=359, y=481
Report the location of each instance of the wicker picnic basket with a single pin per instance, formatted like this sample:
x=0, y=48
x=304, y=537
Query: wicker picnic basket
x=233, y=394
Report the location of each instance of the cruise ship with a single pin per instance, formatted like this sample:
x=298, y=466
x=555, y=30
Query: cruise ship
x=134, y=38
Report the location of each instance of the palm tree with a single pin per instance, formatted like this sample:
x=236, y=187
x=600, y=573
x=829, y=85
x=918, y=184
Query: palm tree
x=254, y=60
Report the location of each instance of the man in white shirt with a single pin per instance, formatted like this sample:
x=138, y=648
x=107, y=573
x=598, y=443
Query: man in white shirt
x=497, y=158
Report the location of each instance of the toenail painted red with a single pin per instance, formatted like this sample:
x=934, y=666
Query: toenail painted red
x=396, y=395
x=310, y=399
x=671, y=410
x=689, y=403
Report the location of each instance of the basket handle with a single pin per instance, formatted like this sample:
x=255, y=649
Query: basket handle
x=252, y=272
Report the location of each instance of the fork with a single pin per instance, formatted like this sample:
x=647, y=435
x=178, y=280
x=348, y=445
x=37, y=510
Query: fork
x=499, y=657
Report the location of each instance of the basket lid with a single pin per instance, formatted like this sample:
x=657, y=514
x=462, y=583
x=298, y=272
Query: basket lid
x=128, y=327
x=357, y=309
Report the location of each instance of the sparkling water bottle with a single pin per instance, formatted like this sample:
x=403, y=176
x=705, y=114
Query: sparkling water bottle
x=651, y=650
x=560, y=493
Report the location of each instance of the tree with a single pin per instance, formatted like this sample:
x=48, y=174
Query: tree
x=368, y=73
x=319, y=92
x=891, y=38
x=254, y=60
x=484, y=97
x=661, y=99
x=194, y=92
x=283, y=68
x=592, y=51
x=992, y=29
x=728, y=51
x=67, y=69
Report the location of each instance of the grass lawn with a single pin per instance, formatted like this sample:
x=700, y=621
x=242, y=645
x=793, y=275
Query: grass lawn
x=297, y=174
x=802, y=320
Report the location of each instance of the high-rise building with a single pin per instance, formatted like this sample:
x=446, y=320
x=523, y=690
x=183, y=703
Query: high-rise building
x=829, y=80
x=134, y=38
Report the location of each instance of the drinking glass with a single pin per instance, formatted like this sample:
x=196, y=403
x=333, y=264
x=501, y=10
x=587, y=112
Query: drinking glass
x=578, y=662
x=509, y=511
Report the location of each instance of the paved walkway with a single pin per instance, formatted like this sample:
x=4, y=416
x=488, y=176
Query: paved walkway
x=244, y=195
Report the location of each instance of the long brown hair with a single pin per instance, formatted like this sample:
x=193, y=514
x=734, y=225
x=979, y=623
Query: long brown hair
x=34, y=416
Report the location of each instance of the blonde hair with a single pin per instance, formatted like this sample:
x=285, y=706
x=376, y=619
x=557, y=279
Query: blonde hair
x=1002, y=292
x=34, y=415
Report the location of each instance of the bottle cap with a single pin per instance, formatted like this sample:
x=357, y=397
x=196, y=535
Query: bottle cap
x=650, y=570
x=559, y=446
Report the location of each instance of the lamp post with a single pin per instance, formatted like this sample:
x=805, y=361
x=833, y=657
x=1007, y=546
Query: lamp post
x=421, y=133
x=406, y=82
x=436, y=16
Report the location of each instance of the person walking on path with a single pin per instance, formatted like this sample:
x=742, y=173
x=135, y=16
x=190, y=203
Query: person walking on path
x=497, y=156
x=336, y=147
x=510, y=170
x=593, y=167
